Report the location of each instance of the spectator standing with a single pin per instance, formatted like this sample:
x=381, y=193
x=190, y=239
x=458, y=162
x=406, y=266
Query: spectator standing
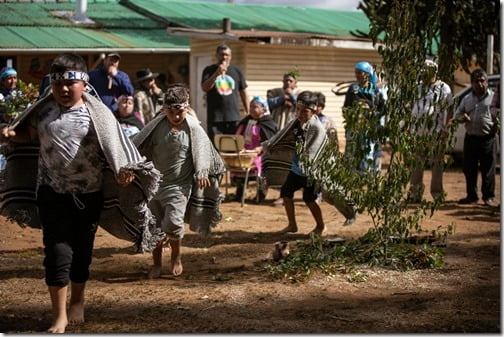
x=326, y=121
x=129, y=119
x=480, y=141
x=435, y=97
x=8, y=85
x=366, y=94
x=110, y=82
x=223, y=84
x=285, y=110
x=148, y=97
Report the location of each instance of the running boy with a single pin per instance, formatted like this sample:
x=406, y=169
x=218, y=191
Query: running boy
x=182, y=151
x=307, y=130
x=78, y=138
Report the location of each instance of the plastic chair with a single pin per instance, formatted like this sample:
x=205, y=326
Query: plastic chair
x=231, y=150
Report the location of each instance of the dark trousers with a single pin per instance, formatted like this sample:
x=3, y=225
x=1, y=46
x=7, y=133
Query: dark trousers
x=224, y=128
x=68, y=228
x=480, y=150
x=295, y=182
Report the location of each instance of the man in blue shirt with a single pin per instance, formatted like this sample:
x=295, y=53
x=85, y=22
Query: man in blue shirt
x=109, y=82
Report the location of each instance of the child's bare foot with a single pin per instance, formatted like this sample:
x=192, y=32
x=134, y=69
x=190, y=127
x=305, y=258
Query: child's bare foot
x=59, y=325
x=155, y=272
x=76, y=313
x=166, y=246
x=320, y=231
x=176, y=266
x=288, y=229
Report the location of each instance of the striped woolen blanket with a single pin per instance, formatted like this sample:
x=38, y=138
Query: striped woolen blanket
x=281, y=148
x=203, y=209
x=125, y=213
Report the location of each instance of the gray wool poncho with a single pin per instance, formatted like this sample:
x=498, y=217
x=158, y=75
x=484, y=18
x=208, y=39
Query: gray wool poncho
x=203, y=209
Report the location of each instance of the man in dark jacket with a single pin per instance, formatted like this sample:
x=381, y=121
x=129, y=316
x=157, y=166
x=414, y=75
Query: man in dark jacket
x=109, y=82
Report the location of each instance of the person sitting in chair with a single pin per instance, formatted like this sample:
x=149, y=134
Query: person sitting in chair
x=256, y=127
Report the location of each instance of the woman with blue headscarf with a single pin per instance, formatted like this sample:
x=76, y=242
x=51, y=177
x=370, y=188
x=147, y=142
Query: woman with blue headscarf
x=366, y=94
x=256, y=127
x=8, y=84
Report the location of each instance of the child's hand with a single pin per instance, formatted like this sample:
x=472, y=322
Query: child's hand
x=124, y=178
x=6, y=134
x=203, y=182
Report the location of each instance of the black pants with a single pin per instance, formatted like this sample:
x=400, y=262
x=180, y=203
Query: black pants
x=218, y=128
x=480, y=150
x=68, y=227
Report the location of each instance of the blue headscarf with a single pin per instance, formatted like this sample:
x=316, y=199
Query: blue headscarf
x=260, y=100
x=367, y=68
x=6, y=72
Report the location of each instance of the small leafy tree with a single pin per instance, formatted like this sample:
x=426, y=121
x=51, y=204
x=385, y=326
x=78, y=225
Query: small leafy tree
x=384, y=196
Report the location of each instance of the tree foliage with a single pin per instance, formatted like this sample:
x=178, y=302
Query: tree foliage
x=460, y=33
x=384, y=195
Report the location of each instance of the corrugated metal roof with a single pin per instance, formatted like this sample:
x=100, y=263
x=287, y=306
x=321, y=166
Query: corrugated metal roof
x=35, y=26
x=54, y=38
x=108, y=15
x=209, y=15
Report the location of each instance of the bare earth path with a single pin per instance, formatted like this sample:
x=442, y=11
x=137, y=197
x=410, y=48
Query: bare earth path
x=224, y=288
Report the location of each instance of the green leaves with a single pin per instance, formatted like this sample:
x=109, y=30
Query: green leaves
x=412, y=141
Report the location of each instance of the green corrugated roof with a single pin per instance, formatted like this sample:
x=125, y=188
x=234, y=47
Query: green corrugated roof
x=209, y=15
x=34, y=26
x=12, y=37
x=104, y=14
x=129, y=24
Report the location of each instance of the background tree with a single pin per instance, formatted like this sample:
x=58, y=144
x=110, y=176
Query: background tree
x=460, y=33
x=384, y=195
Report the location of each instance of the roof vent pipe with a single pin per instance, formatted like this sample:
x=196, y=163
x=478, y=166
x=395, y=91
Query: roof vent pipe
x=80, y=13
x=226, y=25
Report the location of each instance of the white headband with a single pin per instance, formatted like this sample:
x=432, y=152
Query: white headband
x=70, y=75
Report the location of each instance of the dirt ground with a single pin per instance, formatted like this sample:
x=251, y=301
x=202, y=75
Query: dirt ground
x=225, y=289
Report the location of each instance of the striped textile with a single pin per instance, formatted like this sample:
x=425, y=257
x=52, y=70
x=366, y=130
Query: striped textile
x=280, y=149
x=17, y=197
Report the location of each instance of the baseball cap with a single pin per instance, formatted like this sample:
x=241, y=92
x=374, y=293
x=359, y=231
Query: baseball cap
x=114, y=54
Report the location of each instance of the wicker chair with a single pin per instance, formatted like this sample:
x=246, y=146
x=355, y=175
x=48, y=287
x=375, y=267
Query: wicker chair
x=231, y=149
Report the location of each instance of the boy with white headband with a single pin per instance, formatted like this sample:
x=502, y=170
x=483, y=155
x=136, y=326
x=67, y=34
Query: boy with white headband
x=79, y=138
x=181, y=151
x=281, y=151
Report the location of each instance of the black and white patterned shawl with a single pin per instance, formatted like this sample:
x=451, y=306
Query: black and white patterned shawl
x=203, y=209
x=125, y=213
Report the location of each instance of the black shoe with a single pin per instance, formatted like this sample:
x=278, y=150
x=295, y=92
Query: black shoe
x=490, y=202
x=467, y=200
